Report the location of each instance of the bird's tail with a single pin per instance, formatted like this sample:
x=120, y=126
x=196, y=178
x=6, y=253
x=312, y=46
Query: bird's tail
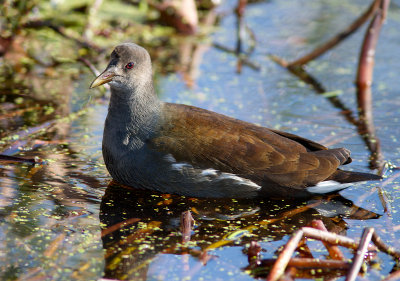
x=340, y=180
x=348, y=176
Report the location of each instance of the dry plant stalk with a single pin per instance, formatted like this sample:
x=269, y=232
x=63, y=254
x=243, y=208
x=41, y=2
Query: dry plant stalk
x=285, y=260
x=337, y=38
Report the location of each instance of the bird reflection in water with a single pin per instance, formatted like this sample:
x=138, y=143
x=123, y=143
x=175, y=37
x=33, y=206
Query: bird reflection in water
x=140, y=227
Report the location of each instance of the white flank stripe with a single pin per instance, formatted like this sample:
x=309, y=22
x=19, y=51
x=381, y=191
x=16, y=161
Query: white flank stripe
x=209, y=172
x=327, y=187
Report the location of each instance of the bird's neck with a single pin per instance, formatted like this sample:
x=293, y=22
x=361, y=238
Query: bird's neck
x=136, y=109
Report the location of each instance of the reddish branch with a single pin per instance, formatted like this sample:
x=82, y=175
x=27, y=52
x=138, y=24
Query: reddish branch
x=364, y=82
x=281, y=263
x=311, y=263
x=285, y=263
x=333, y=238
x=378, y=11
x=359, y=255
x=338, y=38
x=334, y=251
x=383, y=247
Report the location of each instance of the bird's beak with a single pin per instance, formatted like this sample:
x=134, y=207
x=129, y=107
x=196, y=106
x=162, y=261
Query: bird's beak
x=103, y=78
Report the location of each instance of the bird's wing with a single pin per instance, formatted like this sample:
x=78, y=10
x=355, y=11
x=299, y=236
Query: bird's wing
x=210, y=140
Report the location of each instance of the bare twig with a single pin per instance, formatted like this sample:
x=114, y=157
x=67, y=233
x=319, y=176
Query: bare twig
x=383, y=247
x=359, y=255
x=333, y=250
x=311, y=263
x=333, y=238
x=369, y=138
x=279, y=267
x=284, y=266
x=364, y=81
x=338, y=38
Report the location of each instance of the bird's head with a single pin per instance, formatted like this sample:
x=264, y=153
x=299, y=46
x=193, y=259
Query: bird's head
x=129, y=68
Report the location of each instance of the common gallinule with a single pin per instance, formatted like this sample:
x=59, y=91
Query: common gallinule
x=176, y=148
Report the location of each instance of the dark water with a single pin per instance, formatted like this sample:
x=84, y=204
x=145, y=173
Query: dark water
x=52, y=215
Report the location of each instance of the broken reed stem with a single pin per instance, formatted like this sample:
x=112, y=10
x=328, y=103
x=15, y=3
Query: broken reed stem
x=333, y=238
x=337, y=38
x=366, y=62
x=334, y=251
x=383, y=247
x=359, y=255
x=311, y=263
x=284, y=263
x=279, y=267
x=364, y=81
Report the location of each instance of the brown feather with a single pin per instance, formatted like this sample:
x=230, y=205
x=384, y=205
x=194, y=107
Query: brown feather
x=210, y=140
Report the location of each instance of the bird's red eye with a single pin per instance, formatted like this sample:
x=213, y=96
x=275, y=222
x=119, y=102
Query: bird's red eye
x=129, y=65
